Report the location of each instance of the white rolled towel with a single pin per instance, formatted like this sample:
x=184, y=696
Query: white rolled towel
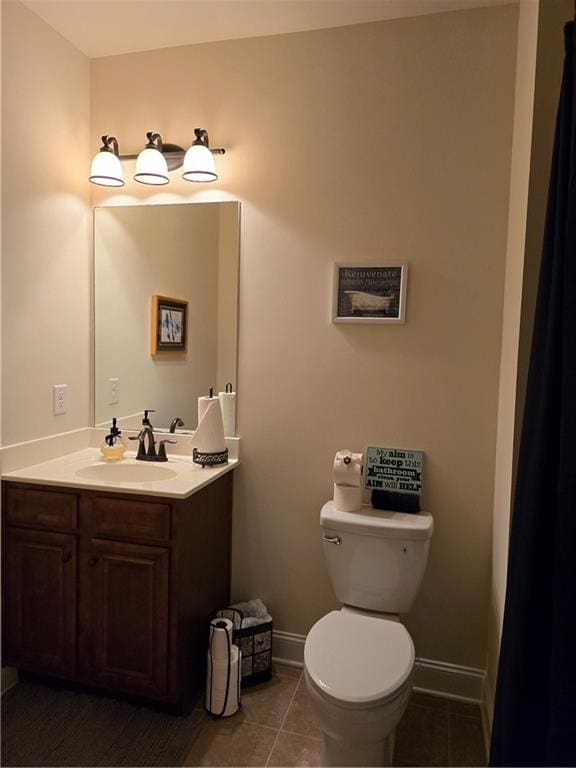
x=254, y=608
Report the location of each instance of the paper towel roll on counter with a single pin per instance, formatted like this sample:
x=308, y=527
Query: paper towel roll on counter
x=209, y=439
x=228, y=406
x=209, y=436
x=204, y=403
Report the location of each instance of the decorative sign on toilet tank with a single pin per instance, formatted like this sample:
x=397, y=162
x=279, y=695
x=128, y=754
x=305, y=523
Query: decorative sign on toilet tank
x=394, y=469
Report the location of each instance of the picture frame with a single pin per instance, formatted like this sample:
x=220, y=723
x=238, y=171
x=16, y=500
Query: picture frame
x=169, y=325
x=369, y=293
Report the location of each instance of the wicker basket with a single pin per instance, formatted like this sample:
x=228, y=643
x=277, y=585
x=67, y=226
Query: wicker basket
x=255, y=644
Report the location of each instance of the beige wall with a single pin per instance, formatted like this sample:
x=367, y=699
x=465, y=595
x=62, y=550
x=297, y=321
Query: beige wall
x=45, y=232
x=386, y=141
x=521, y=147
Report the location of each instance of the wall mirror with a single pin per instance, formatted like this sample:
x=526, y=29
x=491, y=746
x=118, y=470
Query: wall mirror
x=166, y=309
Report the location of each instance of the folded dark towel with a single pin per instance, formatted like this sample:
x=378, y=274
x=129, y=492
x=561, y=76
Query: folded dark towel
x=396, y=502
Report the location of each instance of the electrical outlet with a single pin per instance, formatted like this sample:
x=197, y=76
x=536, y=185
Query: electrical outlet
x=60, y=394
x=114, y=391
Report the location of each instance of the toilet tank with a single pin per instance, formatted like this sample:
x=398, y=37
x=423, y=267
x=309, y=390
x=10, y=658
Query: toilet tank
x=376, y=559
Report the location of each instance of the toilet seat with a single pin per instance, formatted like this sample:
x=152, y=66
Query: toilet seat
x=358, y=661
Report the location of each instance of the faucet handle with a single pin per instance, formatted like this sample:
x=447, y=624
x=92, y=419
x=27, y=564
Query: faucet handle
x=162, y=449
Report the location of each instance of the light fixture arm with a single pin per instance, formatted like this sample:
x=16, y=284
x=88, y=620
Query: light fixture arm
x=109, y=144
x=173, y=153
x=154, y=141
x=201, y=137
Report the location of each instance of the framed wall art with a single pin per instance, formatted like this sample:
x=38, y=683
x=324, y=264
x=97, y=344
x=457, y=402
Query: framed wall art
x=369, y=293
x=169, y=325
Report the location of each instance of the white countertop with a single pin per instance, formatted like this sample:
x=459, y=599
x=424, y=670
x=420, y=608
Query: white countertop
x=177, y=478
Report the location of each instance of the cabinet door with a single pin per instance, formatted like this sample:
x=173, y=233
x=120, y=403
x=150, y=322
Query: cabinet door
x=41, y=600
x=128, y=615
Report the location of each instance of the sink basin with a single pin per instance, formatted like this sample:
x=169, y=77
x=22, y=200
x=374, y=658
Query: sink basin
x=126, y=473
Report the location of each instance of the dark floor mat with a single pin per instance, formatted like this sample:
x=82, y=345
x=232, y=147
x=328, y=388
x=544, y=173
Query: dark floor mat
x=49, y=726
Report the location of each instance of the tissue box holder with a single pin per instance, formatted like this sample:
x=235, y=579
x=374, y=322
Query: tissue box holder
x=256, y=646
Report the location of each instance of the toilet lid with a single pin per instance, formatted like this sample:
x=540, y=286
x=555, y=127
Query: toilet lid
x=358, y=659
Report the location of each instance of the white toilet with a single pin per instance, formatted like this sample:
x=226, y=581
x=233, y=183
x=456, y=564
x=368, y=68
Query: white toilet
x=358, y=661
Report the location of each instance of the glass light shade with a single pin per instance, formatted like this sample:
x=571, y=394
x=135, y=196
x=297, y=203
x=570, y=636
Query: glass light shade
x=199, y=164
x=151, y=167
x=106, y=170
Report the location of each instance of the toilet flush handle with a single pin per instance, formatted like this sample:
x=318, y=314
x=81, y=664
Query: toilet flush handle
x=332, y=539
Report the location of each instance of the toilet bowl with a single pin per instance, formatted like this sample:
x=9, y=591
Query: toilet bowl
x=358, y=671
x=359, y=660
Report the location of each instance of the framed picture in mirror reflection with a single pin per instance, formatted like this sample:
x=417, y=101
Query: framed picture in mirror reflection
x=169, y=325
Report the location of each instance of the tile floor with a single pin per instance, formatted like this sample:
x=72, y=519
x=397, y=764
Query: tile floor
x=276, y=727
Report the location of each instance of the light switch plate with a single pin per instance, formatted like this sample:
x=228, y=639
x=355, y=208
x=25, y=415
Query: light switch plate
x=114, y=391
x=60, y=395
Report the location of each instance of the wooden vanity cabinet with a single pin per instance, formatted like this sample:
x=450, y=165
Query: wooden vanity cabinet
x=40, y=580
x=124, y=609
x=115, y=590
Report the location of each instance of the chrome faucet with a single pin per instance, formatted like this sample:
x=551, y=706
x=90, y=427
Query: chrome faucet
x=177, y=422
x=148, y=452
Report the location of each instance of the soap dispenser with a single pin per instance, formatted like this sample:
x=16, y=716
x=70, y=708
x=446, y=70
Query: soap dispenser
x=113, y=447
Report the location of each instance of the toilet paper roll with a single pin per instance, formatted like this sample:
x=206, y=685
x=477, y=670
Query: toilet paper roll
x=215, y=666
x=220, y=640
x=348, y=468
x=347, y=498
x=223, y=685
x=209, y=436
x=228, y=406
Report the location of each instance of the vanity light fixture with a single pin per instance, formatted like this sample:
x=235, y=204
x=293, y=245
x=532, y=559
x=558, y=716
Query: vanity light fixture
x=199, y=161
x=155, y=161
x=106, y=168
x=151, y=165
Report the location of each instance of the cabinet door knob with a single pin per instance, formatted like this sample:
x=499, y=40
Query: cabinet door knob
x=66, y=557
x=92, y=562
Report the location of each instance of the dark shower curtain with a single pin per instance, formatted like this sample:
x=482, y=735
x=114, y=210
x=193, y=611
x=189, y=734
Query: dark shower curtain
x=535, y=708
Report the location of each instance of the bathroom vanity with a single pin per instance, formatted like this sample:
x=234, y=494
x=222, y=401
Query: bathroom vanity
x=112, y=570
x=115, y=589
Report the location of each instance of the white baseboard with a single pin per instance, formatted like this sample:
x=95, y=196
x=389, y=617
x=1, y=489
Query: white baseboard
x=451, y=680
x=288, y=648
x=438, y=678
x=488, y=713
x=9, y=679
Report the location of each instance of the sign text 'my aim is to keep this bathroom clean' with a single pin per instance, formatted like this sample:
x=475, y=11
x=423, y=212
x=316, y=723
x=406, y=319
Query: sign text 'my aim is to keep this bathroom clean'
x=394, y=469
